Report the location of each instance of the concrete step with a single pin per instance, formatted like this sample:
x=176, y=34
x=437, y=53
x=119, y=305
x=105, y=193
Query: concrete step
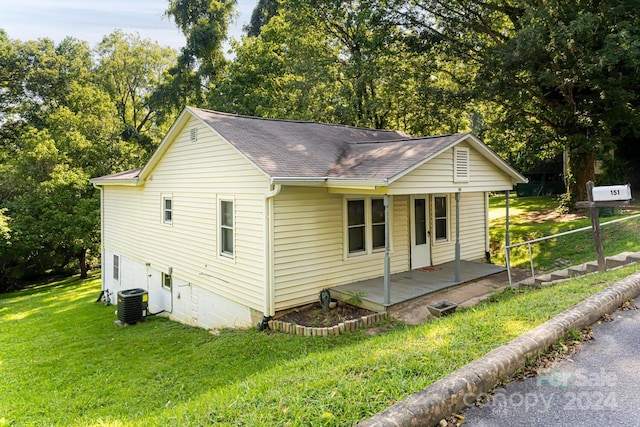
x=616, y=260
x=592, y=266
x=611, y=262
x=543, y=278
x=560, y=274
x=578, y=270
x=633, y=257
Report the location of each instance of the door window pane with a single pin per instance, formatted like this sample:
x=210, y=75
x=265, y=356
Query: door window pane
x=420, y=206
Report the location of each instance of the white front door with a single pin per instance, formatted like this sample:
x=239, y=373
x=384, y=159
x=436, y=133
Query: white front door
x=420, y=244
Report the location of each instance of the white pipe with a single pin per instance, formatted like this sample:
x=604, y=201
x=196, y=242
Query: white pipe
x=269, y=273
x=102, y=258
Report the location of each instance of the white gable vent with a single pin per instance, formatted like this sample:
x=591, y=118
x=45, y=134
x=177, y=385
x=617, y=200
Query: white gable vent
x=461, y=164
x=194, y=134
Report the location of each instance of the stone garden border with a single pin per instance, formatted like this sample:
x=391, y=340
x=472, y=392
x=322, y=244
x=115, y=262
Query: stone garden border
x=340, y=328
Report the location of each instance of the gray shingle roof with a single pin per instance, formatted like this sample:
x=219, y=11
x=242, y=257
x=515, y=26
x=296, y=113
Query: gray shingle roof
x=287, y=149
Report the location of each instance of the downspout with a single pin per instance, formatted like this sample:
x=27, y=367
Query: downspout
x=102, y=258
x=269, y=273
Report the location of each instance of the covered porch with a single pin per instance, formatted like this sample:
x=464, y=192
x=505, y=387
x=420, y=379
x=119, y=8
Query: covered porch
x=412, y=284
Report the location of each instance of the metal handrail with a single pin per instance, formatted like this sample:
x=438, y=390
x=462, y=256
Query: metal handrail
x=553, y=236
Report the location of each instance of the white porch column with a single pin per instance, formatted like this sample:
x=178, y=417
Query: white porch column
x=457, y=247
x=387, y=252
x=507, y=241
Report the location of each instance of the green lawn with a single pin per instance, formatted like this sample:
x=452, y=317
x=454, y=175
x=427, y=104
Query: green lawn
x=63, y=362
x=530, y=219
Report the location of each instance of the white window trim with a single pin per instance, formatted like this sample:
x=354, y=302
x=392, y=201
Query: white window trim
x=116, y=264
x=162, y=209
x=368, y=226
x=434, y=240
x=223, y=255
x=461, y=174
x=163, y=278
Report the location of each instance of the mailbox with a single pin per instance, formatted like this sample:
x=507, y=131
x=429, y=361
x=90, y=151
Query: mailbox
x=611, y=193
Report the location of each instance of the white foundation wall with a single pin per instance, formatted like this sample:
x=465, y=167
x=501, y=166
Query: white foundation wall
x=184, y=302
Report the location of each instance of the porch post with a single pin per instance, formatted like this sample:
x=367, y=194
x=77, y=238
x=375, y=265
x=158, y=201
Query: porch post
x=387, y=253
x=507, y=241
x=457, y=262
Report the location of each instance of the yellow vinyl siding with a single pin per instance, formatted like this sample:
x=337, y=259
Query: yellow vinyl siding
x=437, y=176
x=472, y=230
x=309, y=244
x=195, y=174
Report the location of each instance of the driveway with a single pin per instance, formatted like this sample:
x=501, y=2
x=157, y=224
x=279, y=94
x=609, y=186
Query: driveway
x=598, y=386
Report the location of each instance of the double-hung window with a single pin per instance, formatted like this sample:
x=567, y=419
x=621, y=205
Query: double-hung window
x=116, y=267
x=365, y=225
x=167, y=209
x=227, y=228
x=441, y=217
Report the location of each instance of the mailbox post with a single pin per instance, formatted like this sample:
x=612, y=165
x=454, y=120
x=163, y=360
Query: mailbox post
x=606, y=196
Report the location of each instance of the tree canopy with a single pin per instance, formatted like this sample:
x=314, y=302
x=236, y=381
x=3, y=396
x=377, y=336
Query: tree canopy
x=533, y=79
x=66, y=114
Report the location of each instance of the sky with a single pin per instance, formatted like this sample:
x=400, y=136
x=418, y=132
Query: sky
x=90, y=20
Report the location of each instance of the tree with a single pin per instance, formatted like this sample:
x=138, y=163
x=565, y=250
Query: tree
x=288, y=71
x=130, y=70
x=365, y=39
x=60, y=127
x=205, y=24
x=557, y=73
x=261, y=15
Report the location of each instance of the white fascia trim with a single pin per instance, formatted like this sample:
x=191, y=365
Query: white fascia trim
x=175, y=128
x=299, y=181
x=365, y=184
x=131, y=182
x=355, y=183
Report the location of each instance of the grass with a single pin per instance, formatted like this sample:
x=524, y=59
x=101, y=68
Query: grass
x=63, y=362
x=532, y=217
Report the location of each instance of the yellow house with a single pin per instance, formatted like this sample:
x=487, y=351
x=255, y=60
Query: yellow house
x=235, y=218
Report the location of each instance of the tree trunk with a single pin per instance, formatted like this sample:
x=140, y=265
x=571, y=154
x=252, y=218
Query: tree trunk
x=82, y=258
x=583, y=171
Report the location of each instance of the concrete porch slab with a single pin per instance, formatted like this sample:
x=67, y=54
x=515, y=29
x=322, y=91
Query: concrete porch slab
x=413, y=284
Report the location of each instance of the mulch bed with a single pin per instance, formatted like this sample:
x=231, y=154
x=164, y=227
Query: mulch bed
x=313, y=315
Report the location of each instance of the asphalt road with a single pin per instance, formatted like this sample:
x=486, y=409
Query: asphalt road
x=598, y=386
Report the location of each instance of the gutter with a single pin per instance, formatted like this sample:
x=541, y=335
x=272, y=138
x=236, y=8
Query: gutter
x=132, y=182
x=269, y=263
x=326, y=181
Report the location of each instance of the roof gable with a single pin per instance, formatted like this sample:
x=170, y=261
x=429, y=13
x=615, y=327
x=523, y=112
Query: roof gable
x=290, y=150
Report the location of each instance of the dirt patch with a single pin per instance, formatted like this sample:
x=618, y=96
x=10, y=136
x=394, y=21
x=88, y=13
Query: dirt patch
x=313, y=315
x=552, y=215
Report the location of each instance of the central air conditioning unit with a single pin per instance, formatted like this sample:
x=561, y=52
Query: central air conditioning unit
x=133, y=305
